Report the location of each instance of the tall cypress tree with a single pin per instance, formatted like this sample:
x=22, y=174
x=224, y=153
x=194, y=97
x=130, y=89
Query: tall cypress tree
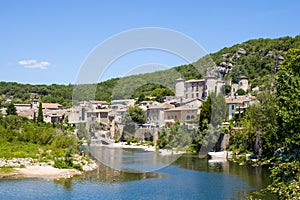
x=34, y=117
x=40, y=117
x=205, y=114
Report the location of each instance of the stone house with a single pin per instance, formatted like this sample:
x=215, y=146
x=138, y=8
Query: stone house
x=238, y=104
x=155, y=113
x=242, y=84
x=197, y=88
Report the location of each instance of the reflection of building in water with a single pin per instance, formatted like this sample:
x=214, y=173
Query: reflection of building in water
x=130, y=160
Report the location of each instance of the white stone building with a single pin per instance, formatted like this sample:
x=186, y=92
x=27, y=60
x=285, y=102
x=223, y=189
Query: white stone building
x=197, y=88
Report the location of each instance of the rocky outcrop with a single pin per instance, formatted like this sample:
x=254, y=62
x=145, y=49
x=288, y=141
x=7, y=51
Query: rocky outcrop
x=241, y=51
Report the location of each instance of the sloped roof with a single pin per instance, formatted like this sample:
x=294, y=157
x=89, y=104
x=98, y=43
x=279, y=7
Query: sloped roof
x=51, y=105
x=194, y=80
x=161, y=106
x=180, y=109
x=99, y=102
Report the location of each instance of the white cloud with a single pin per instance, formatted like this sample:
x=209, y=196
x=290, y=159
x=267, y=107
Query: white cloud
x=34, y=64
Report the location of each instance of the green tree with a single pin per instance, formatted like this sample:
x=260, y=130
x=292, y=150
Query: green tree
x=40, y=117
x=141, y=98
x=176, y=137
x=11, y=109
x=129, y=126
x=260, y=126
x=158, y=93
x=288, y=97
x=137, y=114
x=227, y=89
x=240, y=92
x=34, y=116
x=82, y=132
x=212, y=114
x=163, y=138
x=205, y=114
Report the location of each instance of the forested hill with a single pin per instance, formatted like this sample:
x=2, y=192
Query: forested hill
x=256, y=59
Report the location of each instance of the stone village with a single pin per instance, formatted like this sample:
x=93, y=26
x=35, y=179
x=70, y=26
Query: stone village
x=183, y=107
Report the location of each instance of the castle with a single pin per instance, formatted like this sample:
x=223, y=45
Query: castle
x=186, y=89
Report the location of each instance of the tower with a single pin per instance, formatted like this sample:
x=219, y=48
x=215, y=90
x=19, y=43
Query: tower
x=179, y=87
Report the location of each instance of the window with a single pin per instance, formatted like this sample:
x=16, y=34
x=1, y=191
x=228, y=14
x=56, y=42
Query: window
x=232, y=107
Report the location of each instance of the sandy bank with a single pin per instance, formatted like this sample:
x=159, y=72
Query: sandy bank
x=30, y=168
x=46, y=172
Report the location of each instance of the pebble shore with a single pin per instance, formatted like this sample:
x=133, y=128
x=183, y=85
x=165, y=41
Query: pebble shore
x=32, y=168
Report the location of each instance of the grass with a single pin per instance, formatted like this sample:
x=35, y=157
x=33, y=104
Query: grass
x=43, y=153
x=10, y=150
x=17, y=149
x=4, y=170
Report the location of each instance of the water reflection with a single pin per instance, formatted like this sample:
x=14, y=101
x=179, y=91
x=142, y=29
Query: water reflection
x=131, y=160
x=105, y=173
x=256, y=176
x=189, y=177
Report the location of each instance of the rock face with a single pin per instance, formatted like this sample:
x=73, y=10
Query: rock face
x=224, y=68
x=270, y=53
x=241, y=51
x=224, y=55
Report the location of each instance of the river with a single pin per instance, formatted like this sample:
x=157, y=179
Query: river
x=189, y=177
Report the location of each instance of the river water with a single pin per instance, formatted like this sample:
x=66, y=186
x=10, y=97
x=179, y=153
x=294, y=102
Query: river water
x=189, y=177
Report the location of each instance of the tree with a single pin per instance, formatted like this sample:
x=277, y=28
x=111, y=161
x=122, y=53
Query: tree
x=260, y=126
x=137, y=114
x=82, y=133
x=40, y=117
x=205, y=114
x=141, y=98
x=11, y=109
x=212, y=114
x=177, y=137
x=240, y=92
x=34, y=117
x=227, y=89
x=161, y=92
x=129, y=125
x=288, y=97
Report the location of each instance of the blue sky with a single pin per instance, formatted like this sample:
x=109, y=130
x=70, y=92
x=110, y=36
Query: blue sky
x=47, y=41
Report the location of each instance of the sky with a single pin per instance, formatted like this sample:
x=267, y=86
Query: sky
x=47, y=42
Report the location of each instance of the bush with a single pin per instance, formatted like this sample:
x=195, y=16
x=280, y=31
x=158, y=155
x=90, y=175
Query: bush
x=240, y=92
x=78, y=167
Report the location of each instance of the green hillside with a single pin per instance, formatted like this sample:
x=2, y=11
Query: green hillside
x=256, y=59
x=260, y=58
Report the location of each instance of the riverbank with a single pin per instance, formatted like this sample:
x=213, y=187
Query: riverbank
x=125, y=145
x=31, y=168
x=150, y=148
